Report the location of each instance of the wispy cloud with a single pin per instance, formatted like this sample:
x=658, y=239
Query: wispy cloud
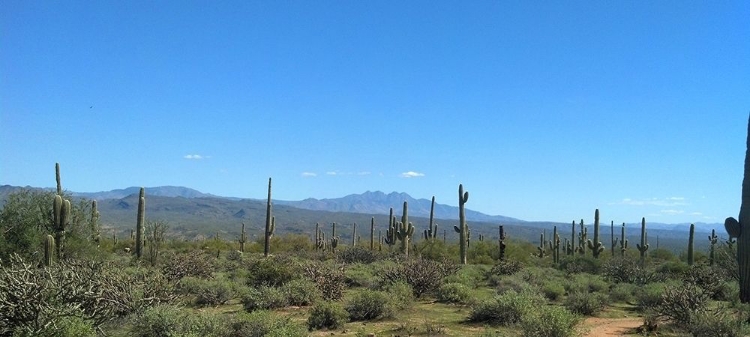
x=696, y=213
x=309, y=174
x=661, y=202
x=672, y=211
x=332, y=173
x=411, y=174
x=364, y=173
x=195, y=157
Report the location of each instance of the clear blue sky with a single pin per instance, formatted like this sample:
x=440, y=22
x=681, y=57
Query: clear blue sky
x=544, y=110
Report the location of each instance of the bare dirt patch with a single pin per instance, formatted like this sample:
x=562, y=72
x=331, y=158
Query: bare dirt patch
x=596, y=326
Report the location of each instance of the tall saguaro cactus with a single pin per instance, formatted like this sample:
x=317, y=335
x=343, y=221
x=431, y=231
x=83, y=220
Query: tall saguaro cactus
x=405, y=230
x=243, y=238
x=334, y=238
x=554, y=246
x=596, y=246
x=542, y=252
x=582, y=235
x=623, y=241
x=572, y=249
x=462, y=229
x=140, y=225
x=431, y=233
x=372, y=233
x=613, y=239
x=354, y=235
x=96, y=234
x=690, y=244
x=49, y=247
x=270, y=224
x=501, y=242
x=57, y=178
x=643, y=246
x=713, y=239
x=736, y=229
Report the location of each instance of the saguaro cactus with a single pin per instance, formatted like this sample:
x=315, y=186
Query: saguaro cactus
x=572, y=249
x=270, y=224
x=140, y=225
x=613, y=240
x=596, y=246
x=334, y=238
x=501, y=242
x=713, y=239
x=354, y=235
x=57, y=178
x=690, y=245
x=542, y=252
x=96, y=234
x=431, y=232
x=736, y=229
x=405, y=230
x=372, y=233
x=623, y=241
x=49, y=248
x=243, y=238
x=462, y=229
x=643, y=246
x=554, y=245
x=582, y=235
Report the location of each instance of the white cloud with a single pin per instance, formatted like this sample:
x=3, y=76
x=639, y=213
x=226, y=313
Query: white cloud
x=363, y=173
x=331, y=173
x=411, y=174
x=672, y=211
x=696, y=213
x=194, y=157
x=309, y=174
x=663, y=202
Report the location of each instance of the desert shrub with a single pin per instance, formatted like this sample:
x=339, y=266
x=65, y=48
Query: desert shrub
x=726, y=261
x=708, y=278
x=672, y=269
x=622, y=270
x=369, y=304
x=168, y=321
x=401, y=295
x=177, y=266
x=262, y=323
x=234, y=256
x=454, y=293
x=513, y=283
x=330, y=279
x=71, y=326
x=263, y=298
x=718, y=324
x=356, y=255
x=549, y=321
x=326, y=314
x=472, y=276
x=681, y=302
x=301, y=292
x=214, y=292
x=553, y=290
x=622, y=292
x=360, y=275
x=424, y=276
x=505, y=309
x=273, y=271
x=585, y=303
x=580, y=264
x=585, y=283
x=649, y=296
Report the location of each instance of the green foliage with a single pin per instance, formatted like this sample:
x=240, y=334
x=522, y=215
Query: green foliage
x=360, y=275
x=505, y=309
x=177, y=266
x=274, y=271
x=454, y=293
x=262, y=323
x=585, y=283
x=549, y=321
x=580, y=264
x=401, y=295
x=505, y=267
x=357, y=254
x=328, y=277
x=424, y=276
x=369, y=304
x=301, y=292
x=622, y=293
x=585, y=303
x=472, y=276
x=720, y=324
x=264, y=298
x=649, y=296
x=553, y=291
x=214, y=292
x=169, y=321
x=327, y=314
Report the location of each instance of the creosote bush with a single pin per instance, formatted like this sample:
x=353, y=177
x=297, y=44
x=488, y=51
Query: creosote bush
x=274, y=271
x=264, y=298
x=301, y=292
x=549, y=321
x=505, y=309
x=369, y=304
x=357, y=255
x=180, y=265
x=329, y=278
x=424, y=276
x=168, y=321
x=263, y=323
x=328, y=315
x=585, y=303
x=454, y=293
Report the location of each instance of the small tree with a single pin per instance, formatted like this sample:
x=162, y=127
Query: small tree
x=155, y=231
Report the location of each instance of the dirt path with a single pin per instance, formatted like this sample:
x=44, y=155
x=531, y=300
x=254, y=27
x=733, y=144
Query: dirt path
x=595, y=326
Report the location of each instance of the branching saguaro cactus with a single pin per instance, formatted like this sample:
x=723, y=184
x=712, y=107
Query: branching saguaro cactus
x=596, y=246
x=501, y=242
x=49, y=250
x=405, y=230
x=390, y=233
x=270, y=224
x=61, y=217
x=643, y=246
x=140, y=225
x=542, y=252
x=690, y=244
x=243, y=238
x=554, y=245
x=623, y=241
x=736, y=229
x=431, y=233
x=713, y=239
x=334, y=238
x=582, y=235
x=462, y=229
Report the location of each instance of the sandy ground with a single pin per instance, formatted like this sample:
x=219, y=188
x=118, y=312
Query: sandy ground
x=595, y=326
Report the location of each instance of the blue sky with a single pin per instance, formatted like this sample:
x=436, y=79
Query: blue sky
x=544, y=110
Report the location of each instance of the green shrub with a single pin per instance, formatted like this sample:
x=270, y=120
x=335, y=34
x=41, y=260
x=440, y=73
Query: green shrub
x=272, y=272
x=369, y=304
x=214, y=292
x=505, y=309
x=177, y=266
x=263, y=323
x=585, y=283
x=326, y=314
x=549, y=321
x=720, y=324
x=301, y=292
x=681, y=302
x=580, y=264
x=401, y=295
x=649, y=296
x=329, y=278
x=263, y=298
x=673, y=269
x=360, y=275
x=169, y=321
x=454, y=293
x=71, y=326
x=513, y=283
x=472, y=276
x=553, y=290
x=622, y=292
x=357, y=255
x=424, y=276
x=585, y=303
x=506, y=267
